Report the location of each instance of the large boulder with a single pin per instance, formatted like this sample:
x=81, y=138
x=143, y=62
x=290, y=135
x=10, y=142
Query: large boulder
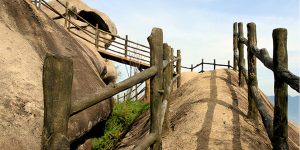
x=27, y=35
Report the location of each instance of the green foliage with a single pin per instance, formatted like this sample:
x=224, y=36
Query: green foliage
x=122, y=116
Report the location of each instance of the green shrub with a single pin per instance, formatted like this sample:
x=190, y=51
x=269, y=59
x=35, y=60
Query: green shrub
x=122, y=116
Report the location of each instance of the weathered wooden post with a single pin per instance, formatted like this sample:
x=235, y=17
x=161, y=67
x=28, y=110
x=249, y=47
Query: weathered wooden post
x=192, y=67
x=178, y=68
x=118, y=98
x=156, y=83
x=228, y=64
x=167, y=84
x=252, y=75
x=235, y=46
x=136, y=92
x=67, y=15
x=40, y=4
x=280, y=60
x=214, y=64
x=241, y=55
x=57, y=88
x=97, y=36
x=124, y=97
x=202, y=63
x=126, y=46
x=147, y=91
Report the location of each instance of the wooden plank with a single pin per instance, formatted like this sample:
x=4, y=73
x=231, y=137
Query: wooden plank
x=57, y=88
x=280, y=60
x=123, y=60
x=252, y=75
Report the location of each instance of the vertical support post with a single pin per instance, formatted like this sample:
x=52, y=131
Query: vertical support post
x=228, y=64
x=167, y=85
x=178, y=68
x=57, y=88
x=192, y=67
x=124, y=97
x=280, y=60
x=214, y=64
x=136, y=92
x=147, y=91
x=202, y=65
x=118, y=98
x=126, y=46
x=252, y=75
x=235, y=47
x=40, y=4
x=67, y=15
x=241, y=55
x=156, y=83
x=97, y=36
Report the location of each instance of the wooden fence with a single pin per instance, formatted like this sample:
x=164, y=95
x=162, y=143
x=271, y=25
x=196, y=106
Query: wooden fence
x=57, y=84
x=214, y=64
x=121, y=48
x=277, y=130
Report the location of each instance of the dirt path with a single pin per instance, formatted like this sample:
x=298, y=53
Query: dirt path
x=208, y=112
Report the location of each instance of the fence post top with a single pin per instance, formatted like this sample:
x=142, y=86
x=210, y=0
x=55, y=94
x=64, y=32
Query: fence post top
x=251, y=24
x=278, y=31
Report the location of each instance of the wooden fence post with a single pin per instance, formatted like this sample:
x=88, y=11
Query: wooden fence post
x=280, y=60
x=57, y=88
x=136, y=92
x=124, y=97
x=214, y=64
x=228, y=64
x=241, y=55
x=118, y=98
x=67, y=15
x=156, y=83
x=126, y=46
x=147, y=91
x=178, y=68
x=252, y=75
x=235, y=45
x=202, y=65
x=168, y=76
x=192, y=68
x=97, y=36
x=40, y=4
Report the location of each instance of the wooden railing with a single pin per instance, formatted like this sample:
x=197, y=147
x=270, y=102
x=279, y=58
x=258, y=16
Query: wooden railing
x=138, y=54
x=57, y=87
x=277, y=130
x=214, y=64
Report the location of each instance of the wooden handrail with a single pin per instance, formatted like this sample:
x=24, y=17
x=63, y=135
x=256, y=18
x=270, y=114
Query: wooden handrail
x=263, y=55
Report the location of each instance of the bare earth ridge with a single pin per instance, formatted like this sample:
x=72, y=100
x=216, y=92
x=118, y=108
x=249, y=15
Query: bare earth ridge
x=209, y=112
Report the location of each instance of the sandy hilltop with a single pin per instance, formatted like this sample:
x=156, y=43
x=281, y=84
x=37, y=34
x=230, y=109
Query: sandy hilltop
x=209, y=112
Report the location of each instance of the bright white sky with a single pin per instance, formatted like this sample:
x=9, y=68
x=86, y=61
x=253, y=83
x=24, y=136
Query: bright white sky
x=203, y=28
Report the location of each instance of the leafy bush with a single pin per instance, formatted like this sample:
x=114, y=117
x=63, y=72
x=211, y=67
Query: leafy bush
x=122, y=116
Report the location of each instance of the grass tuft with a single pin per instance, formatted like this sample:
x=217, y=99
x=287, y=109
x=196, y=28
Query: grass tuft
x=122, y=116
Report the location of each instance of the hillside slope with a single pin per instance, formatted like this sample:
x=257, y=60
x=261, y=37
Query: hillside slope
x=26, y=36
x=209, y=112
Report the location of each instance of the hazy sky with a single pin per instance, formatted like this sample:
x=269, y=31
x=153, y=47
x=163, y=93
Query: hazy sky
x=203, y=28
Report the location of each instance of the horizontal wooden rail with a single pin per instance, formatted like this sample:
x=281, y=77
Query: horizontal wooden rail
x=263, y=55
x=110, y=91
x=258, y=99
